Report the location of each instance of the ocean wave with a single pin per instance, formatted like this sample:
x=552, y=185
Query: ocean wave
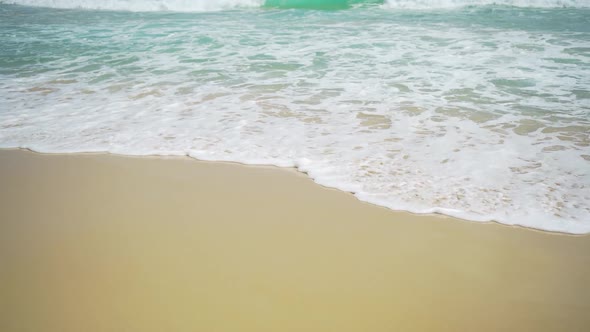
x=142, y=5
x=456, y=113
x=453, y=116
x=189, y=5
x=216, y=5
x=438, y=4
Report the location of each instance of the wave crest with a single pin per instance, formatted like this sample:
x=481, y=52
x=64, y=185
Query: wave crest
x=215, y=5
x=142, y=5
x=436, y=4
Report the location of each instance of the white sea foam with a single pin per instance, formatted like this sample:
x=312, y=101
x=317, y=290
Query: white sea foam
x=433, y=4
x=214, y=5
x=143, y=5
x=475, y=122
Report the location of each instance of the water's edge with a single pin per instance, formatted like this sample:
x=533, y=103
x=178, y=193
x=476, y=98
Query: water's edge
x=481, y=114
x=188, y=156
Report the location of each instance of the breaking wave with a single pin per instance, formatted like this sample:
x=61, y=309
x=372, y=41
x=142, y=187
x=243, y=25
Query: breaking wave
x=216, y=5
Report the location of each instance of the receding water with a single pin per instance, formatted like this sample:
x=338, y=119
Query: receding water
x=467, y=108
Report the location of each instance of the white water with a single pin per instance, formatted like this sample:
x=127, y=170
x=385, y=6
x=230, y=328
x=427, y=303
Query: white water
x=215, y=5
x=143, y=5
x=433, y=4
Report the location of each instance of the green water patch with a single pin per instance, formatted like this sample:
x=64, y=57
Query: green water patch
x=317, y=4
x=514, y=83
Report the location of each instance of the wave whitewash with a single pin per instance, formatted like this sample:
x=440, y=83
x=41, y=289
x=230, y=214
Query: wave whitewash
x=480, y=112
x=212, y=5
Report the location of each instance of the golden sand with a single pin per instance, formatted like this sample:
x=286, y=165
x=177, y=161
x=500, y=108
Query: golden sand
x=108, y=243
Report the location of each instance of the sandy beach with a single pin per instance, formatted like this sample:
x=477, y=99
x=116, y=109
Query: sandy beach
x=93, y=242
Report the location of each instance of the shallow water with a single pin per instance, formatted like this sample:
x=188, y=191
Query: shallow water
x=479, y=111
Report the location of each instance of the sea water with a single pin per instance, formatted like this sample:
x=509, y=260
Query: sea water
x=475, y=109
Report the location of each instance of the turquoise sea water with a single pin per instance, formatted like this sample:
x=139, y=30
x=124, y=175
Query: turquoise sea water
x=476, y=109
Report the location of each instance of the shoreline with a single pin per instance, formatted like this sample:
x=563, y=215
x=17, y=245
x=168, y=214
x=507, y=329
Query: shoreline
x=98, y=242
x=295, y=170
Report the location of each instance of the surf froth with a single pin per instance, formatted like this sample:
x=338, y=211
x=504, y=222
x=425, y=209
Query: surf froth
x=216, y=5
x=143, y=5
x=438, y=4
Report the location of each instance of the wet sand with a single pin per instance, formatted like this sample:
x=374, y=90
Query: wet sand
x=110, y=243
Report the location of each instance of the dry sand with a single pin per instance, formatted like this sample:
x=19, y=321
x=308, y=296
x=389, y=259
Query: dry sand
x=108, y=243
